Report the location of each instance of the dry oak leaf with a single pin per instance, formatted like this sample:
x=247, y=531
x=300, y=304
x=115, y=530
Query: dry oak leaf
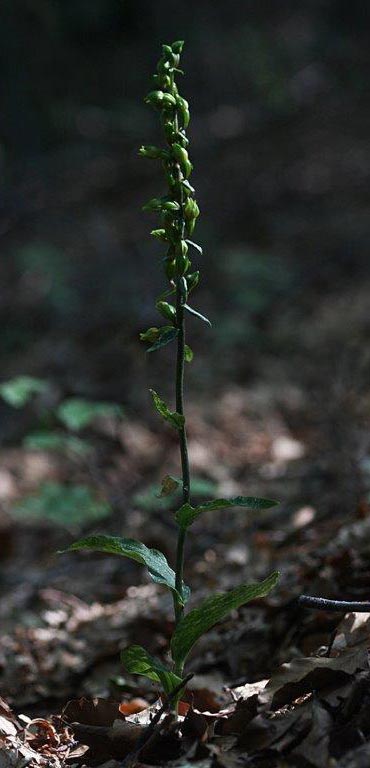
x=303, y=675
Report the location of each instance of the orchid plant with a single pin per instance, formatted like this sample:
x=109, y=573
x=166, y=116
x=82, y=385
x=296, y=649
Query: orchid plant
x=178, y=212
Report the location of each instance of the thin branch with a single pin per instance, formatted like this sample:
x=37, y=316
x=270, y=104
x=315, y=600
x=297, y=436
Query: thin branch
x=322, y=604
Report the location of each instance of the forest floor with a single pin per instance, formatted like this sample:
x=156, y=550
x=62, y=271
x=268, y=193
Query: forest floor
x=276, y=684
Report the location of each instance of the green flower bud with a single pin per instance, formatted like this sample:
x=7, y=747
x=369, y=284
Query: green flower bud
x=182, y=264
x=170, y=268
x=155, y=204
x=192, y=280
x=167, y=310
x=191, y=209
x=153, y=153
x=167, y=51
x=169, y=130
x=177, y=46
x=190, y=226
x=181, y=248
x=170, y=205
x=154, y=98
x=159, y=234
x=163, y=66
x=168, y=101
x=150, y=335
x=183, y=108
x=182, y=158
x=182, y=139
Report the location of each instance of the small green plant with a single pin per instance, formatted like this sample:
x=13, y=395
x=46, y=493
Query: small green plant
x=178, y=212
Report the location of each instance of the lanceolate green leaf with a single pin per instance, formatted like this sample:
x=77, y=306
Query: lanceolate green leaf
x=186, y=515
x=137, y=661
x=155, y=561
x=196, y=246
x=197, y=314
x=211, y=611
x=167, y=335
x=175, y=419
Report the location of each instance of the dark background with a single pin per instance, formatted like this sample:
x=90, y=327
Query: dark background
x=279, y=141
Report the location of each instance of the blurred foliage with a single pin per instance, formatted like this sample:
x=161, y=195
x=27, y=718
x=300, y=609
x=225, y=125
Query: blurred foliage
x=19, y=391
x=56, y=441
x=68, y=505
x=76, y=413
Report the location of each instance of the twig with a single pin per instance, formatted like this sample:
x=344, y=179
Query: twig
x=145, y=737
x=322, y=604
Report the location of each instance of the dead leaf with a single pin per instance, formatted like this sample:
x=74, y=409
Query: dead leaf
x=314, y=749
x=303, y=675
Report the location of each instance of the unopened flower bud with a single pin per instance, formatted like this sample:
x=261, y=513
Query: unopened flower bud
x=170, y=268
x=181, y=248
x=192, y=280
x=153, y=153
x=191, y=209
x=167, y=310
x=168, y=101
x=171, y=205
x=155, y=98
x=177, y=46
x=182, y=158
x=159, y=234
x=183, y=108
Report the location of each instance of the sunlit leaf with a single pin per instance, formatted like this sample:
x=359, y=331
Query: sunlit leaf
x=186, y=515
x=76, y=413
x=67, y=505
x=175, y=419
x=138, y=661
x=214, y=609
x=19, y=391
x=197, y=314
x=165, y=337
x=155, y=561
x=196, y=246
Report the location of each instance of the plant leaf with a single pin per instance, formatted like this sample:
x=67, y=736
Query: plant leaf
x=175, y=419
x=19, y=391
x=167, y=335
x=211, y=611
x=76, y=413
x=197, y=314
x=68, y=505
x=169, y=485
x=189, y=354
x=151, y=334
x=137, y=661
x=155, y=561
x=196, y=246
x=186, y=515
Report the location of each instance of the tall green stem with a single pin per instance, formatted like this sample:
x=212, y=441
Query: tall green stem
x=180, y=364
